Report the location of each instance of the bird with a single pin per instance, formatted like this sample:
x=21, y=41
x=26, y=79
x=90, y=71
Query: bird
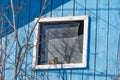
x=54, y=61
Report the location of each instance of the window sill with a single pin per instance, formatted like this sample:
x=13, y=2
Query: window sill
x=60, y=66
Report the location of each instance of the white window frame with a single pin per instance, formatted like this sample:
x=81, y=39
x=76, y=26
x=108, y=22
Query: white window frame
x=58, y=66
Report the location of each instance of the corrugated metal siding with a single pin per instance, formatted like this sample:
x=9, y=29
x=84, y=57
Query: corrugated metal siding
x=104, y=28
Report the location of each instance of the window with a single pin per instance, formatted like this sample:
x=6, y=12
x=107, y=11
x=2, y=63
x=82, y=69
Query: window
x=60, y=43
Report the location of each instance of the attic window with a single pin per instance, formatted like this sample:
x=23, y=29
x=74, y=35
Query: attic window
x=61, y=43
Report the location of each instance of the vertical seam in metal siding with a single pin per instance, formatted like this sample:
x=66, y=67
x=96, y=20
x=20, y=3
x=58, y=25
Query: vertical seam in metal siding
x=32, y=73
x=118, y=51
x=82, y=74
x=28, y=33
x=96, y=39
x=6, y=39
x=40, y=5
x=62, y=6
x=118, y=57
x=73, y=7
x=84, y=14
x=71, y=74
x=18, y=26
x=16, y=43
x=107, y=42
x=51, y=8
x=85, y=6
x=29, y=14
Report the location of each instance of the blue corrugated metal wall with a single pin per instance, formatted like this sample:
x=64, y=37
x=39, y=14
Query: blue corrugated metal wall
x=104, y=30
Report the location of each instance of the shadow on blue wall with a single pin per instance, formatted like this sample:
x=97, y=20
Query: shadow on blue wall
x=25, y=11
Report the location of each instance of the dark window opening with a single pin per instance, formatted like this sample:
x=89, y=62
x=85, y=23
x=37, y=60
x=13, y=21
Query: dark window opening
x=60, y=42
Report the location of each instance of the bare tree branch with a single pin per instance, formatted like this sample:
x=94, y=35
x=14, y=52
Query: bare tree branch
x=14, y=24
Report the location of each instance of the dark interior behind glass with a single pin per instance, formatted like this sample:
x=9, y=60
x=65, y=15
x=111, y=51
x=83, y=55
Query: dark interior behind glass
x=62, y=41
